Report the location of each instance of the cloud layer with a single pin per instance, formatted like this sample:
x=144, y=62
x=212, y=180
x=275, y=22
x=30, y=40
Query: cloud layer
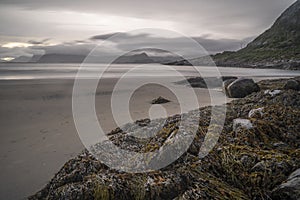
x=74, y=25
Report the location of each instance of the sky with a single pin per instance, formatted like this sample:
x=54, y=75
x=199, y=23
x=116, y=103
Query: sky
x=30, y=27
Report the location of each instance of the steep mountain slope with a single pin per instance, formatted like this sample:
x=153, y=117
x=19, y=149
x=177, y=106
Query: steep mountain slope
x=278, y=46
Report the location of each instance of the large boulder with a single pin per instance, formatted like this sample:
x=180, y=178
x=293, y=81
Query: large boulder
x=290, y=189
x=241, y=88
x=226, y=83
x=292, y=85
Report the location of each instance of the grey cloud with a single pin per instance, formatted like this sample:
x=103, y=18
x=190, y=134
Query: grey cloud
x=235, y=13
x=35, y=42
x=120, y=36
x=220, y=45
x=19, y=51
x=84, y=47
x=74, y=49
x=229, y=19
x=178, y=44
x=81, y=41
x=104, y=36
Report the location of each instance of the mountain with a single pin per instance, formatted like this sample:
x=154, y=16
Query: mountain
x=141, y=58
x=61, y=58
x=22, y=59
x=35, y=58
x=158, y=55
x=278, y=47
x=135, y=58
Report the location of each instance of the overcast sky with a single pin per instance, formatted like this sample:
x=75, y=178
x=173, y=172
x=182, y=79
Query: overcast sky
x=70, y=26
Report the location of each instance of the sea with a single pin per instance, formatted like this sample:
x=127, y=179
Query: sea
x=22, y=71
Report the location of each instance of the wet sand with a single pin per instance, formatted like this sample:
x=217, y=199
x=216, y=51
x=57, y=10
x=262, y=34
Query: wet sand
x=38, y=134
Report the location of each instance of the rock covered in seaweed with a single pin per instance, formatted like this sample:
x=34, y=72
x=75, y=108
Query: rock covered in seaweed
x=290, y=189
x=245, y=163
x=292, y=85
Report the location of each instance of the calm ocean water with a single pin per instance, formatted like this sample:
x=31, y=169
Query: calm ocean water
x=21, y=71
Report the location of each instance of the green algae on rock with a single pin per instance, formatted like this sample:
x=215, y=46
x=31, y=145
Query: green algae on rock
x=245, y=163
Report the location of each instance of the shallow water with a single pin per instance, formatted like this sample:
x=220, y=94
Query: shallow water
x=21, y=71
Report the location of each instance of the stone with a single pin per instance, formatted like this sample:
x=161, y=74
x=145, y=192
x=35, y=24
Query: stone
x=226, y=83
x=160, y=100
x=292, y=85
x=242, y=123
x=242, y=87
x=272, y=93
x=246, y=160
x=143, y=122
x=290, y=189
x=256, y=113
x=225, y=78
x=259, y=167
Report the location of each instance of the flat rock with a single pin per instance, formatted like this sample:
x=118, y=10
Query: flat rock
x=160, y=100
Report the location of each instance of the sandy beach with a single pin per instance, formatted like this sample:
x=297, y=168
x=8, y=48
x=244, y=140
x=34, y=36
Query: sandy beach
x=38, y=134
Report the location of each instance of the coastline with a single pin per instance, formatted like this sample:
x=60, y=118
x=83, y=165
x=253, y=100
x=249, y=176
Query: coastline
x=248, y=162
x=38, y=132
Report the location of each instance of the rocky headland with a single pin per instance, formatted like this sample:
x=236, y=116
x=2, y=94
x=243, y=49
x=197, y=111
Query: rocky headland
x=257, y=156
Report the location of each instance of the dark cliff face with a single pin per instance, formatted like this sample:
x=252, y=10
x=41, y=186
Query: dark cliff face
x=279, y=44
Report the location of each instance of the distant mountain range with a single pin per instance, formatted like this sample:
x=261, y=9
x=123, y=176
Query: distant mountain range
x=141, y=58
x=278, y=47
x=61, y=58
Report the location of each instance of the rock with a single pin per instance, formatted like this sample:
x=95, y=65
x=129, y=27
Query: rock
x=242, y=123
x=290, y=189
x=197, y=82
x=226, y=83
x=272, y=93
x=246, y=160
x=225, y=78
x=248, y=164
x=279, y=144
x=207, y=82
x=241, y=88
x=256, y=113
x=143, y=122
x=259, y=167
x=160, y=100
x=292, y=85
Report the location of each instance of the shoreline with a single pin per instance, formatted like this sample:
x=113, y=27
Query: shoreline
x=38, y=132
x=248, y=162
